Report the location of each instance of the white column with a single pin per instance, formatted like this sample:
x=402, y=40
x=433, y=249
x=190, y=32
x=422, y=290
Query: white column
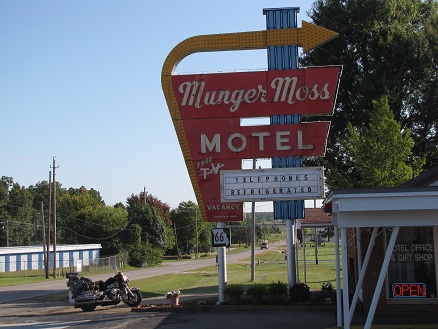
x=359, y=254
x=338, y=279
x=291, y=275
x=363, y=271
x=345, y=299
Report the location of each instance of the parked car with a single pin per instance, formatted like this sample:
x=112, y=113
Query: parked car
x=264, y=245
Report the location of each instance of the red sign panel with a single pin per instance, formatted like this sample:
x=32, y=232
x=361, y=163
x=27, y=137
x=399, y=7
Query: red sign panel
x=208, y=177
x=221, y=144
x=226, y=139
x=211, y=106
x=309, y=91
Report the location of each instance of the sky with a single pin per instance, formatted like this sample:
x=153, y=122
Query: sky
x=80, y=81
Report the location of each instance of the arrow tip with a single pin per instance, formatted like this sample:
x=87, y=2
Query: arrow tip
x=313, y=36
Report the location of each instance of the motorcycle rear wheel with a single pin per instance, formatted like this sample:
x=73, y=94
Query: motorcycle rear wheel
x=88, y=308
x=134, y=300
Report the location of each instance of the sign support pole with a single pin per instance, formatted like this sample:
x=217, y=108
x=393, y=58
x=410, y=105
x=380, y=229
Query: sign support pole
x=280, y=59
x=221, y=268
x=253, y=233
x=290, y=238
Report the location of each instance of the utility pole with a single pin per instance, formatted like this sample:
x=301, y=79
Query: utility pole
x=43, y=231
x=7, y=231
x=49, y=223
x=54, y=218
x=176, y=241
x=36, y=230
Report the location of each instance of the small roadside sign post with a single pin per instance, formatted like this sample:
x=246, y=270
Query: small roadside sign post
x=221, y=237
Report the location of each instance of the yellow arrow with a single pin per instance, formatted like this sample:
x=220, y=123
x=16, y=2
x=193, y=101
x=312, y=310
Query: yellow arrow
x=309, y=37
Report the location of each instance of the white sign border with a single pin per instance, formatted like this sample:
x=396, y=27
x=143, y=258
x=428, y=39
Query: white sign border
x=226, y=231
x=279, y=172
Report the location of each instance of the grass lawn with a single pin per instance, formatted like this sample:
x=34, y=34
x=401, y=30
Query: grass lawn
x=270, y=267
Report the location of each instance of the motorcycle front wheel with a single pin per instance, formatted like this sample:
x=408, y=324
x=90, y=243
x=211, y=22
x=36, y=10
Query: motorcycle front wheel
x=134, y=300
x=88, y=308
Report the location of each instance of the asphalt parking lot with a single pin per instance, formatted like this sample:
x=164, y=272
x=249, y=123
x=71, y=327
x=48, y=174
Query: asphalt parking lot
x=31, y=314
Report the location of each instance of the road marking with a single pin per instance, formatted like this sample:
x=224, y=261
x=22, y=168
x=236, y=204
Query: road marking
x=51, y=325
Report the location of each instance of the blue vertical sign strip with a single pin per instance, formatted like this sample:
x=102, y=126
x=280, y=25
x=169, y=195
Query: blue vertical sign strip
x=284, y=58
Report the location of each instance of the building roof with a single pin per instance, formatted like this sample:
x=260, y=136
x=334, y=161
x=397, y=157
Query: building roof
x=315, y=217
x=384, y=207
x=426, y=178
x=39, y=248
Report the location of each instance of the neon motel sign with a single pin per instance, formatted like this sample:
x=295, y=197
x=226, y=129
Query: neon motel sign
x=206, y=110
x=211, y=107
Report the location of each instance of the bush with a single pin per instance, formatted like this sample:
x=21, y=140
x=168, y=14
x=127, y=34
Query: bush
x=234, y=290
x=256, y=290
x=144, y=253
x=277, y=292
x=136, y=258
x=299, y=293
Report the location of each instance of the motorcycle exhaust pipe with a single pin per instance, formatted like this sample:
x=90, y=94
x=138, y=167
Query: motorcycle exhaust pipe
x=110, y=302
x=80, y=304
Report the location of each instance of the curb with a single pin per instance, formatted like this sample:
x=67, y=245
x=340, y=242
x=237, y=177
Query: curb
x=230, y=308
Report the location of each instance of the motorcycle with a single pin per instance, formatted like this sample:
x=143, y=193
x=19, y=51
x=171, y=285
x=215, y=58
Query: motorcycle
x=88, y=294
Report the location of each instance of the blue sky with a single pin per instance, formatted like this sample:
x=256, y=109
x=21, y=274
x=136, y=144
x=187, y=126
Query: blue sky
x=81, y=80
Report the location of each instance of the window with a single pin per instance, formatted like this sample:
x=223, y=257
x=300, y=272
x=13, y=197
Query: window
x=412, y=271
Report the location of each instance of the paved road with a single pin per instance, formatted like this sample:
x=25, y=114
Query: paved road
x=14, y=293
x=25, y=315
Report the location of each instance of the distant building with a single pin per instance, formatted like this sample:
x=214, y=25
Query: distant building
x=32, y=257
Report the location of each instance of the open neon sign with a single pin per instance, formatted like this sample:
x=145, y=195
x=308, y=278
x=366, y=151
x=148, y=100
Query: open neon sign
x=409, y=290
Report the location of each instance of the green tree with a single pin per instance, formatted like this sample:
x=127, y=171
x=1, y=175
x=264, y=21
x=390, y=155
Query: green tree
x=111, y=221
x=386, y=47
x=240, y=232
x=84, y=218
x=163, y=210
x=40, y=192
x=190, y=228
x=154, y=228
x=142, y=252
x=184, y=219
x=5, y=184
x=93, y=194
x=23, y=223
x=204, y=235
x=377, y=153
x=148, y=232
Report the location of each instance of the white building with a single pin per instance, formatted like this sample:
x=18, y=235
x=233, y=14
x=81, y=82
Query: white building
x=32, y=257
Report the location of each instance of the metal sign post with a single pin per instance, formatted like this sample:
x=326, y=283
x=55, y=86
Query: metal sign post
x=222, y=266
